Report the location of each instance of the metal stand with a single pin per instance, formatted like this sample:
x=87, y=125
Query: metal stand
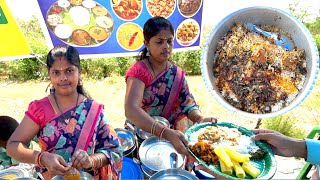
x=258, y=123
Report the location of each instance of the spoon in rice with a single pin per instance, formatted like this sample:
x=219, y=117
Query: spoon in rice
x=280, y=39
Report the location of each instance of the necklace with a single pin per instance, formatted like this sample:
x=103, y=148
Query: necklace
x=152, y=66
x=65, y=118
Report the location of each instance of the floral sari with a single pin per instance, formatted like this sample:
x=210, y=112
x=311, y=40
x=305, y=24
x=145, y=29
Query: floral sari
x=166, y=95
x=86, y=122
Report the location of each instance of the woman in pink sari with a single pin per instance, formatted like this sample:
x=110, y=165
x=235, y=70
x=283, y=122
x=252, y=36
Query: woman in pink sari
x=71, y=129
x=157, y=87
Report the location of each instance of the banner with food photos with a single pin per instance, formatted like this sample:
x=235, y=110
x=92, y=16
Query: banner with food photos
x=114, y=28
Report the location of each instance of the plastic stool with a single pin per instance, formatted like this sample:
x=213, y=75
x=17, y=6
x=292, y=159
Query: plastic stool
x=306, y=168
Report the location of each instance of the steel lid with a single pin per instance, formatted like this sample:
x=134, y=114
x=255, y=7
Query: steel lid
x=175, y=173
x=155, y=153
x=126, y=139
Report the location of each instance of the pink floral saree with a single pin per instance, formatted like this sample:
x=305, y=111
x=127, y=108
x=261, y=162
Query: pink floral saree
x=82, y=127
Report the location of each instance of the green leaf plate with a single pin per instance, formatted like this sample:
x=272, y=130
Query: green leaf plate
x=267, y=165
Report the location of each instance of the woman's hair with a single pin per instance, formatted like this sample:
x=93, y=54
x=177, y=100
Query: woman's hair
x=72, y=56
x=151, y=28
x=7, y=127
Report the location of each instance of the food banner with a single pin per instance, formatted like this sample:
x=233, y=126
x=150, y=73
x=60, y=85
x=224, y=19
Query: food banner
x=114, y=28
x=13, y=45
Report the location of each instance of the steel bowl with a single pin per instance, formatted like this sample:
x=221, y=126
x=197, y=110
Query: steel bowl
x=127, y=140
x=261, y=15
x=174, y=173
x=84, y=176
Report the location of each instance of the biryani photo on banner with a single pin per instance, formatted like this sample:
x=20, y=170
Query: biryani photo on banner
x=113, y=28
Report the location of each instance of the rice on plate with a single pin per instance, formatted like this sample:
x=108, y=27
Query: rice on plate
x=227, y=150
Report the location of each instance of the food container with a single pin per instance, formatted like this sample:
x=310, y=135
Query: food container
x=154, y=156
x=131, y=170
x=84, y=176
x=261, y=15
x=127, y=140
x=174, y=173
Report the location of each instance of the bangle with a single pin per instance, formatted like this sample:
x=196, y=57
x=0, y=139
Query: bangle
x=153, y=127
x=38, y=159
x=92, y=164
x=162, y=130
x=99, y=159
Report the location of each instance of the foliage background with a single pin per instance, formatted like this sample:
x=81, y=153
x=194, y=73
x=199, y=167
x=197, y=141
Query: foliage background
x=108, y=72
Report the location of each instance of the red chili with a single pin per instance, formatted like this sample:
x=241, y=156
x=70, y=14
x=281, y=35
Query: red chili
x=132, y=38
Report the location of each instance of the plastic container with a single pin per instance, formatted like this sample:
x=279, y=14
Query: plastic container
x=130, y=169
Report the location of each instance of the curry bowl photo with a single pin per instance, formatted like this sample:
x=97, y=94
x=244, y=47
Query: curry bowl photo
x=130, y=36
x=188, y=32
x=127, y=9
x=80, y=22
x=164, y=8
x=189, y=8
x=248, y=73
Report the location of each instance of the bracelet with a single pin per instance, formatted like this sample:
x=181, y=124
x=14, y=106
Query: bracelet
x=162, y=130
x=38, y=159
x=92, y=163
x=153, y=127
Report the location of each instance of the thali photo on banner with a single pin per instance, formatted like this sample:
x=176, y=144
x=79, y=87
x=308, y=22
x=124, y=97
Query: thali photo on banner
x=87, y=24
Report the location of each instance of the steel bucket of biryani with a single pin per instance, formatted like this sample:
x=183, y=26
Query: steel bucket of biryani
x=250, y=73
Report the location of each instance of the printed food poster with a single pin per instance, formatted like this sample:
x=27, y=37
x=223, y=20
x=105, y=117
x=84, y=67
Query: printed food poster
x=12, y=42
x=115, y=27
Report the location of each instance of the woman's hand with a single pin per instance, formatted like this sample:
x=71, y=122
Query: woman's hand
x=81, y=160
x=207, y=119
x=54, y=163
x=179, y=142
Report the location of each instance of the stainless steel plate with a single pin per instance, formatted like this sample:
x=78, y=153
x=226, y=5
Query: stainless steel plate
x=176, y=173
x=155, y=153
x=126, y=139
x=84, y=176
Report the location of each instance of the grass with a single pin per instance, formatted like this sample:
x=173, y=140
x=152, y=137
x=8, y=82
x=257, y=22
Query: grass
x=15, y=98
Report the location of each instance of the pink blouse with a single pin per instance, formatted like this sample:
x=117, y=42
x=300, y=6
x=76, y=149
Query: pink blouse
x=140, y=71
x=40, y=111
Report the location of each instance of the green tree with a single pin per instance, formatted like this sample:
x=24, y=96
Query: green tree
x=298, y=10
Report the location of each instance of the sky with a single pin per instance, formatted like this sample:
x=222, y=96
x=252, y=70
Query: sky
x=213, y=12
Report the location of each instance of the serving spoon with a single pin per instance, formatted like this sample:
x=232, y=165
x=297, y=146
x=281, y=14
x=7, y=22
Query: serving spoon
x=280, y=39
